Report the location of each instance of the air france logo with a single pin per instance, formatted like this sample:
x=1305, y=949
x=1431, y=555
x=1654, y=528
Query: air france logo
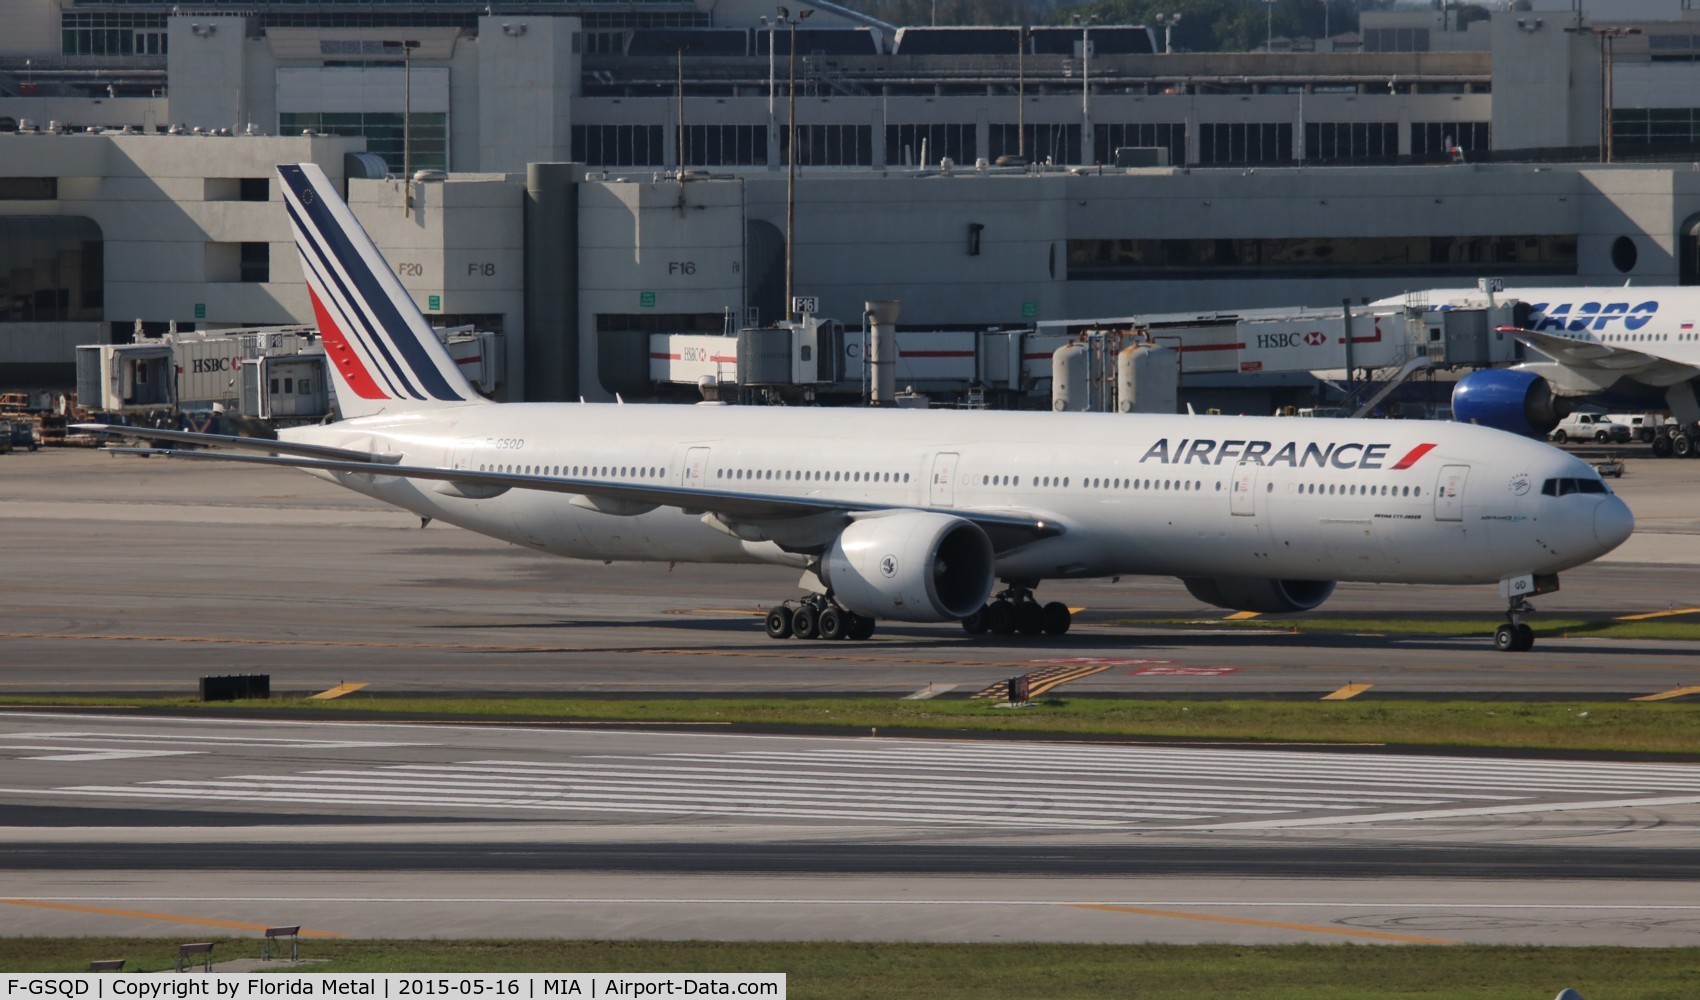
x=888, y=566
x=1335, y=454
x=1579, y=317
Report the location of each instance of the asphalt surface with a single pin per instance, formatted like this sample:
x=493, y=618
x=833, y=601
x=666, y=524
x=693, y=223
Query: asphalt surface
x=130, y=575
x=149, y=826
x=143, y=576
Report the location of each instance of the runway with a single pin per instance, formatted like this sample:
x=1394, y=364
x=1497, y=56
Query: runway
x=396, y=830
x=129, y=575
x=150, y=826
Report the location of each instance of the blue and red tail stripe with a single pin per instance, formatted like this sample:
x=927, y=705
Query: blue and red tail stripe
x=380, y=345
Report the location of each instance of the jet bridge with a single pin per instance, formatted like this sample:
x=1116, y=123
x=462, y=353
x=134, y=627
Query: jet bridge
x=1013, y=367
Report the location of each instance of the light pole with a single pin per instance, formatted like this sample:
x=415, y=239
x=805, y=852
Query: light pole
x=1608, y=37
x=772, y=131
x=1167, y=22
x=1021, y=94
x=791, y=158
x=407, y=48
x=1086, y=151
x=1269, y=44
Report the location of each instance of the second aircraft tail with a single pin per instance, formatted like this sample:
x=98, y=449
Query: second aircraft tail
x=381, y=352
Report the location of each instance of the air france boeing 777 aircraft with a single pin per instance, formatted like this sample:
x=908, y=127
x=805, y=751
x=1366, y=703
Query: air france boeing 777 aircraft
x=917, y=515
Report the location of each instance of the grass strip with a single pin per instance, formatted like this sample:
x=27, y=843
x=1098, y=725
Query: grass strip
x=851, y=971
x=1671, y=727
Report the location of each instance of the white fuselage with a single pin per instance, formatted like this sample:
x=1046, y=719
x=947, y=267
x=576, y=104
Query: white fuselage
x=1165, y=495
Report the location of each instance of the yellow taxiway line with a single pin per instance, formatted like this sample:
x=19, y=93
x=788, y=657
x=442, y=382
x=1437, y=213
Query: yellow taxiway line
x=172, y=917
x=1247, y=922
x=336, y=692
x=1349, y=691
x=1674, y=612
x=1240, y=616
x=1672, y=693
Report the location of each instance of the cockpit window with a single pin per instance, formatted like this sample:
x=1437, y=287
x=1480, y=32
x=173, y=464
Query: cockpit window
x=1564, y=487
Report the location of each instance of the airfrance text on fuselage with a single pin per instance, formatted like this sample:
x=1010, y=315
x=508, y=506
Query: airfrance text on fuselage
x=1338, y=455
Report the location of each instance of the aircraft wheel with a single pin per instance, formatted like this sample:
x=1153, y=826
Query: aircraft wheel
x=1681, y=445
x=1506, y=639
x=805, y=623
x=779, y=622
x=861, y=627
x=833, y=624
x=1056, y=618
x=1559, y=437
x=1661, y=446
x=1525, y=638
x=1000, y=617
x=1029, y=620
x=976, y=623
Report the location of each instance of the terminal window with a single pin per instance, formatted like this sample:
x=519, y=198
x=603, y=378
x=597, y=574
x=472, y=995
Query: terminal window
x=725, y=145
x=29, y=188
x=1436, y=140
x=1315, y=257
x=1109, y=137
x=618, y=145
x=52, y=269
x=112, y=34
x=1058, y=143
x=1666, y=128
x=1245, y=142
x=383, y=132
x=831, y=145
x=1351, y=141
x=905, y=144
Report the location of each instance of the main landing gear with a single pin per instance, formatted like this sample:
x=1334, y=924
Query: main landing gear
x=1014, y=610
x=1515, y=636
x=816, y=617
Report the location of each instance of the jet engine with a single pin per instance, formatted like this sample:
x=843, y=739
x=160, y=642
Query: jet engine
x=1250, y=593
x=913, y=566
x=1510, y=400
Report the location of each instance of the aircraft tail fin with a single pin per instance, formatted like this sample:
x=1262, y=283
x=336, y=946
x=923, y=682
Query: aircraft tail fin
x=379, y=347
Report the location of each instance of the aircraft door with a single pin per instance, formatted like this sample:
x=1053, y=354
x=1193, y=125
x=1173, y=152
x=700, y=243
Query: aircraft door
x=942, y=491
x=466, y=453
x=1449, y=493
x=1242, y=500
x=696, y=468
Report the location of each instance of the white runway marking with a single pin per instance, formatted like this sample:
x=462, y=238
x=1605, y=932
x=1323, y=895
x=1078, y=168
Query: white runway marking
x=836, y=901
x=989, y=785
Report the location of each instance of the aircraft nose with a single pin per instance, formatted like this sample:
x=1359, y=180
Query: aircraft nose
x=1613, y=523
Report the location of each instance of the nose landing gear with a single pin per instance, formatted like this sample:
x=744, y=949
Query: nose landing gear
x=1515, y=636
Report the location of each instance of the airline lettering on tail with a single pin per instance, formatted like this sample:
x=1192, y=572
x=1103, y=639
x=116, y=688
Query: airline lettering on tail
x=1334, y=454
x=1578, y=317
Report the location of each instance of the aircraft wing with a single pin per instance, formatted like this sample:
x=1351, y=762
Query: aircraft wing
x=267, y=445
x=1007, y=528
x=1604, y=364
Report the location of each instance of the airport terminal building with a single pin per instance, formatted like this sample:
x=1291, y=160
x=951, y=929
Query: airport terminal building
x=981, y=188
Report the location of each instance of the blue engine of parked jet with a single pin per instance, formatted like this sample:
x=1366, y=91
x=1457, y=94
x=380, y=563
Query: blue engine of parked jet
x=1517, y=401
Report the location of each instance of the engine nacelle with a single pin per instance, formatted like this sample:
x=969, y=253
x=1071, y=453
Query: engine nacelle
x=1510, y=400
x=914, y=566
x=1250, y=593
